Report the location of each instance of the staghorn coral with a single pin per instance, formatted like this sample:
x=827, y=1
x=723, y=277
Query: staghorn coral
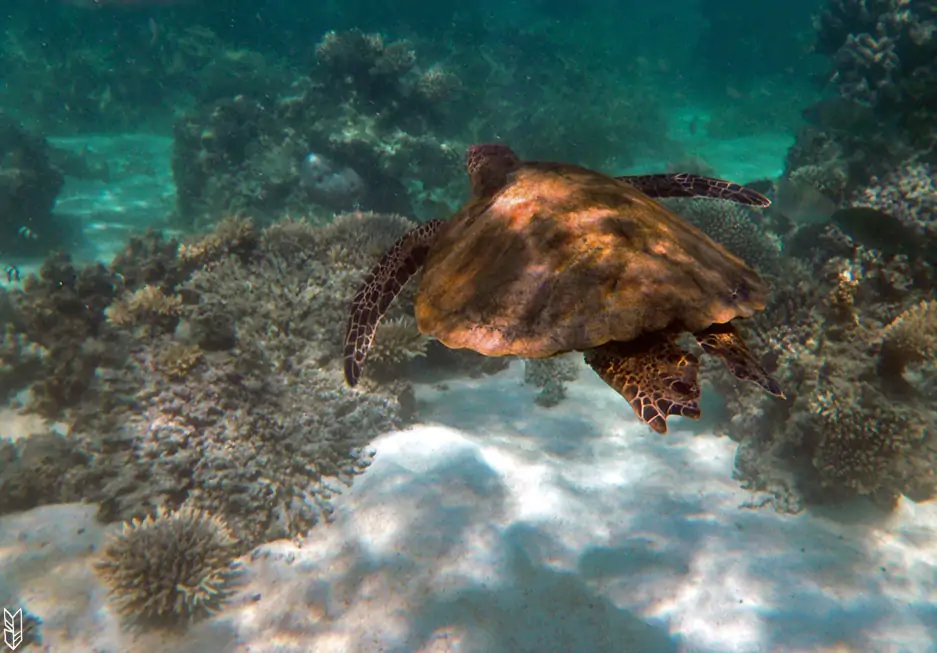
x=229, y=413
x=175, y=567
x=258, y=436
x=863, y=438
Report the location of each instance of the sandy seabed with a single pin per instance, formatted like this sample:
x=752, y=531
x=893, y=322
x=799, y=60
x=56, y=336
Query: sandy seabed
x=498, y=526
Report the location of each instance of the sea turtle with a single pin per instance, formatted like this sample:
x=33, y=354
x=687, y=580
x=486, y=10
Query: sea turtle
x=548, y=258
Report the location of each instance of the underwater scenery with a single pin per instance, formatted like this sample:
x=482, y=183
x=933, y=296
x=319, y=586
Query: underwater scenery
x=495, y=327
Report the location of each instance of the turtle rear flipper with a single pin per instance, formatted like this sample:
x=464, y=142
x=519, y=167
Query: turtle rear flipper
x=383, y=283
x=684, y=184
x=724, y=341
x=655, y=375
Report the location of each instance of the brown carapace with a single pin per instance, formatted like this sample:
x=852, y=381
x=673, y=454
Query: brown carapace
x=548, y=258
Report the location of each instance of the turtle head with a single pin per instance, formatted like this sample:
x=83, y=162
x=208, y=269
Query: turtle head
x=488, y=166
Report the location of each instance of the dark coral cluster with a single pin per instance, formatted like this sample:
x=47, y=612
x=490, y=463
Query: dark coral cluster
x=204, y=373
x=367, y=109
x=884, y=76
x=29, y=184
x=850, y=331
x=851, y=338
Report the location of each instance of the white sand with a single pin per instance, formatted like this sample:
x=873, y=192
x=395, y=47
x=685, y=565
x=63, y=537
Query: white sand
x=500, y=526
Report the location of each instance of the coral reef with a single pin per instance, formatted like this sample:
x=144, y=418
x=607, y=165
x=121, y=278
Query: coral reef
x=910, y=338
x=40, y=469
x=857, y=366
x=62, y=310
x=203, y=386
x=368, y=107
x=735, y=227
x=908, y=193
x=550, y=375
x=397, y=342
x=883, y=69
x=148, y=306
x=174, y=567
x=29, y=184
x=398, y=118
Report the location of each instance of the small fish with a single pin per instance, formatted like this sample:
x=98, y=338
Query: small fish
x=878, y=230
x=13, y=273
x=27, y=233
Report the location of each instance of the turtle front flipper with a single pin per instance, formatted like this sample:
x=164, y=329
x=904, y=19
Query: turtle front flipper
x=684, y=184
x=655, y=375
x=724, y=341
x=383, y=283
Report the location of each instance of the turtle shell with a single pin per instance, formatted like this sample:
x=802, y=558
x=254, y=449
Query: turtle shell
x=562, y=258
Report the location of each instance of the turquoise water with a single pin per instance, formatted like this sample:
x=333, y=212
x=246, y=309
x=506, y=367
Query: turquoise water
x=202, y=448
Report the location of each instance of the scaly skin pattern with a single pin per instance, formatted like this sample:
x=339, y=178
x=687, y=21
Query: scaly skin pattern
x=654, y=374
x=383, y=283
x=684, y=184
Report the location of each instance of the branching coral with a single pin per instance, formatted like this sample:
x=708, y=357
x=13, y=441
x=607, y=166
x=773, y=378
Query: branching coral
x=177, y=360
x=397, y=342
x=231, y=236
x=908, y=193
x=550, y=375
x=230, y=412
x=364, y=56
x=62, y=310
x=174, y=567
x=147, y=307
x=883, y=67
x=851, y=425
x=40, y=469
x=910, y=338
